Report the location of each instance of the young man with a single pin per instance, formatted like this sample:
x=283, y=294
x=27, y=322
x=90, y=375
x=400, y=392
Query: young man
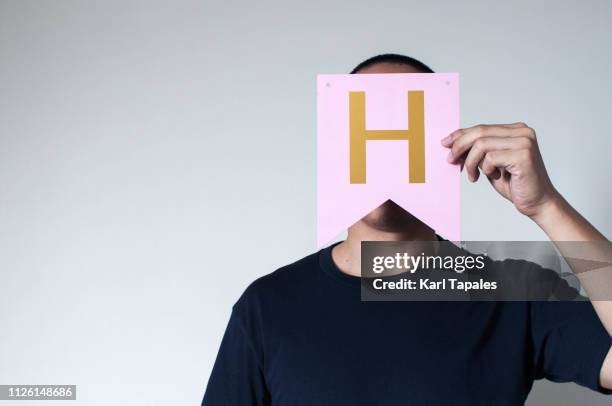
x=302, y=336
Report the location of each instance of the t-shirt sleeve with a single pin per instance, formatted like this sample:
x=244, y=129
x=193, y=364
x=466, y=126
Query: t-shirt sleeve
x=569, y=343
x=237, y=376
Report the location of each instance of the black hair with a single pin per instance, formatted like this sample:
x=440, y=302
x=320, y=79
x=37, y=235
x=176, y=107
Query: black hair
x=395, y=59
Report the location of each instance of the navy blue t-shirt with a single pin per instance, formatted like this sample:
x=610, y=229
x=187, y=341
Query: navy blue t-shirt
x=301, y=336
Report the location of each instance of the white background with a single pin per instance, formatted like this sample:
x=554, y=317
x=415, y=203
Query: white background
x=156, y=157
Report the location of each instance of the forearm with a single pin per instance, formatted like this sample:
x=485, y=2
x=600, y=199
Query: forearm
x=561, y=222
x=575, y=238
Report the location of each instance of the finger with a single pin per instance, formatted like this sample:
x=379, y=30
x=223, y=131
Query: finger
x=463, y=143
x=490, y=171
x=518, y=124
x=464, y=138
x=484, y=145
x=500, y=159
x=452, y=137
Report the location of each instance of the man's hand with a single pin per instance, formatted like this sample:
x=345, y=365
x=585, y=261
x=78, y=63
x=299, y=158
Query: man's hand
x=509, y=156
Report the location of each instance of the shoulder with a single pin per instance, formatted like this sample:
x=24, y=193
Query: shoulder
x=276, y=288
x=526, y=280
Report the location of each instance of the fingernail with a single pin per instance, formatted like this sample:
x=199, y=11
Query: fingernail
x=446, y=139
x=450, y=157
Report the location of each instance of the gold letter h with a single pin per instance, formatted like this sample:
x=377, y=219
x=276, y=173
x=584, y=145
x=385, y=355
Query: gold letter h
x=415, y=135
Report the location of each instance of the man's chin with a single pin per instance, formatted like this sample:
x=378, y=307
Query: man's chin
x=390, y=217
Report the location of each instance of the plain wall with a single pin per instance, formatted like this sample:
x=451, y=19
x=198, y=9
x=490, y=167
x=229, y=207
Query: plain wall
x=156, y=157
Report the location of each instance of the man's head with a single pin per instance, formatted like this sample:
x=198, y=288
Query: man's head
x=391, y=63
x=389, y=216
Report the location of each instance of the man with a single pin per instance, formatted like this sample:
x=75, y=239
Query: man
x=302, y=336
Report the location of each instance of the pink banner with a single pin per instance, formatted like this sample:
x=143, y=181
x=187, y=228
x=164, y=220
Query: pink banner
x=388, y=148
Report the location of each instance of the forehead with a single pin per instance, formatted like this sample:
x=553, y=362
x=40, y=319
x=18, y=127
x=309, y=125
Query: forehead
x=386, y=67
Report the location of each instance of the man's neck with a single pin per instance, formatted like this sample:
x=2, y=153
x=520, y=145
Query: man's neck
x=347, y=254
